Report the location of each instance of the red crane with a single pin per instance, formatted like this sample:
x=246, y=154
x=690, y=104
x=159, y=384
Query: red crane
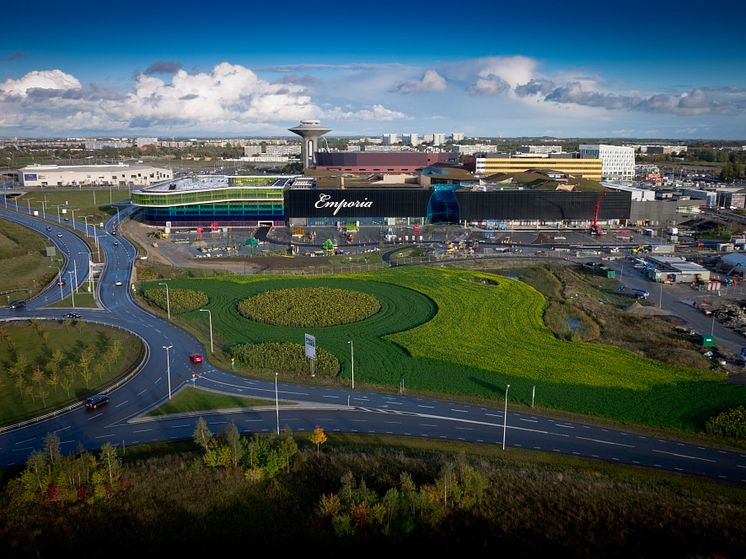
x=594, y=226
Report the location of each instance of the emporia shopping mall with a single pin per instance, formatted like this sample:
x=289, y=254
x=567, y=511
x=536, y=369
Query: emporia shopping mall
x=248, y=201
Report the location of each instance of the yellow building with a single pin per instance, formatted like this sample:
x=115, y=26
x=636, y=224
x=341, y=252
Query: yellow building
x=587, y=168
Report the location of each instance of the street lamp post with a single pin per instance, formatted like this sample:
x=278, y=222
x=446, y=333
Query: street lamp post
x=59, y=219
x=73, y=211
x=352, y=362
x=210, y=315
x=277, y=406
x=90, y=270
x=72, y=292
x=168, y=301
x=85, y=220
x=505, y=415
x=168, y=368
x=75, y=267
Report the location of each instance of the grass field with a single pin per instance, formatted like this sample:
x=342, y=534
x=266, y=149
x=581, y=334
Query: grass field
x=446, y=331
x=82, y=201
x=190, y=399
x=25, y=268
x=29, y=381
x=83, y=299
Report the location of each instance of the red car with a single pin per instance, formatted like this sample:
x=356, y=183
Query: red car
x=196, y=357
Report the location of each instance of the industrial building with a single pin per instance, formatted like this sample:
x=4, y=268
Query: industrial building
x=676, y=269
x=92, y=175
x=380, y=162
x=492, y=163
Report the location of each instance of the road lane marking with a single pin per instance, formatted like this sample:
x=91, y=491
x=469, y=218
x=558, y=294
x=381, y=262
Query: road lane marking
x=529, y=420
x=494, y=414
x=158, y=380
x=121, y=404
x=460, y=411
x=428, y=407
x=605, y=442
x=564, y=426
x=142, y=431
x=464, y=428
x=143, y=392
x=684, y=456
x=105, y=436
x=95, y=416
x=179, y=426
x=62, y=429
x=427, y=425
x=393, y=422
x=25, y=441
x=327, y=396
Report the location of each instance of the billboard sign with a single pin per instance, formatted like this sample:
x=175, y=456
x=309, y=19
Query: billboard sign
x=310, y=346
x=30, y=177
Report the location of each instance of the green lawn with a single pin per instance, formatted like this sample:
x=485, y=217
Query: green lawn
x=191, y=399
x=25, y=268
x=83, y=299
x=82, y=201
x=442, y=331
x=30, y=381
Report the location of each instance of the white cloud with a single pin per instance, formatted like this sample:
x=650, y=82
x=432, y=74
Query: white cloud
x=430, y=81
x=40, y=79
x=230, y=98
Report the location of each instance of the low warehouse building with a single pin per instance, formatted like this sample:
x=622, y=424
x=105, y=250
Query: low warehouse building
x=677, y=270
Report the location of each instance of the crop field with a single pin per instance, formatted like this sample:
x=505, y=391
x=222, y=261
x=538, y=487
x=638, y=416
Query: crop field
x=471, y=333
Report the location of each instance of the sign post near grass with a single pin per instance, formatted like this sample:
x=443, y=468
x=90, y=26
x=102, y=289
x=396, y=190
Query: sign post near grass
x=311, y=352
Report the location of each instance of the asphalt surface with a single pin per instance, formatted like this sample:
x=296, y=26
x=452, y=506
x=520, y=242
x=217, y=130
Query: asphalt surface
x=121, y=422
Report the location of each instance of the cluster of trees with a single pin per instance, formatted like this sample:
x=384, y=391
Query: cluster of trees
x=284, y=358
x=309, y=306
x=258, y=457
x=51, y=476
x=358, y=510
x=59, y=369
x=730, y=423
x=181, y=300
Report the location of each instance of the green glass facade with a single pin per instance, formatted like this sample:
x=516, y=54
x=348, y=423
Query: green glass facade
x=168, y=198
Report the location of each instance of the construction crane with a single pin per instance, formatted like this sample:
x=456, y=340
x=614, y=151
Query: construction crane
x=594, y=226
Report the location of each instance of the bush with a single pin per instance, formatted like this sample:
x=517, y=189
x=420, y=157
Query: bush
x=730, y=423
x=309, y=306
x=181, y=300
x=284, y=358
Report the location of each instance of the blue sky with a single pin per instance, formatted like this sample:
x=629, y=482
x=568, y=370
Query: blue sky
x=665, y=70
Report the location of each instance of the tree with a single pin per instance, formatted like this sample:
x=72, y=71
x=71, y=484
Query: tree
x=318, y=437
x=86, y=358
x=52, y=448
x=53, y=367
x=202, y=435
x=233, y=439
x=111, y=462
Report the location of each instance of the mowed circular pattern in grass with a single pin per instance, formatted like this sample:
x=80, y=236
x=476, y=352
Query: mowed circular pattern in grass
x=309, y=306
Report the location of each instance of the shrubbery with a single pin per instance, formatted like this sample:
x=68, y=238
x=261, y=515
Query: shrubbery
x=309, y=306
x=731, y=423
x=284, y=358
x=181, y=300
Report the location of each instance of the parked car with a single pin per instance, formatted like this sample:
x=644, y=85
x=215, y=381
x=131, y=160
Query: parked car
x=17, y=305
x=96, y=401
x=196, y=357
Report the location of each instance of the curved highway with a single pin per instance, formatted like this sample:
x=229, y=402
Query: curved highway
x=122, y=421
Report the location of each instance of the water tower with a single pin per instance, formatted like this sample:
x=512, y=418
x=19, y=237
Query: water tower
x=310, y=131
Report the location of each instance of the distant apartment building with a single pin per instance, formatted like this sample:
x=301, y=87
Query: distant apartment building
x=389, y=161
x=439, y=139
x=412, y=139
x=92, y=175
x=179, y=144
x=397, y=147
x=658, y=148
x=142, y=142
x=248, y=151
x=116, y=144
x=471, y=150
x=493, y=163
x=540, y=150
x=390, y=139
x=457, y=136
x=618, y=161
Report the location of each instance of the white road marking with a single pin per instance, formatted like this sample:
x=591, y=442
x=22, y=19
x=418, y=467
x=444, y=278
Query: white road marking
x=494, y=414
x=25, y=441
x=605, y=442
x=327, y=396
x=105, y=436
x=460, y=411
x=529, y=420
x=564, y=426
x=428, y=407
x=179, y=426
x=121, y=404
x=143, y=431
x=95, y=416
x=684, y=456
x=143, y=392
x=427, y=425
x=464, y=429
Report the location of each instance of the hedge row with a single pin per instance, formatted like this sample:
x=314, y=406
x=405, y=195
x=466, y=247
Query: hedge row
x=730, y=423
x=284, y=358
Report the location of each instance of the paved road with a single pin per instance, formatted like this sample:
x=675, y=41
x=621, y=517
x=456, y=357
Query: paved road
x=122, y=421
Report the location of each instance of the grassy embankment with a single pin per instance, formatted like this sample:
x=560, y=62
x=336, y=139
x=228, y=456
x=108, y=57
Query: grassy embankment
x=47, y=364
x=25, y=267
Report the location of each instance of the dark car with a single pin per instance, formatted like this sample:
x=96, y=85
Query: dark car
x=17, y=305
x=71, y=315
x=96, y=401
x=61, y=281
